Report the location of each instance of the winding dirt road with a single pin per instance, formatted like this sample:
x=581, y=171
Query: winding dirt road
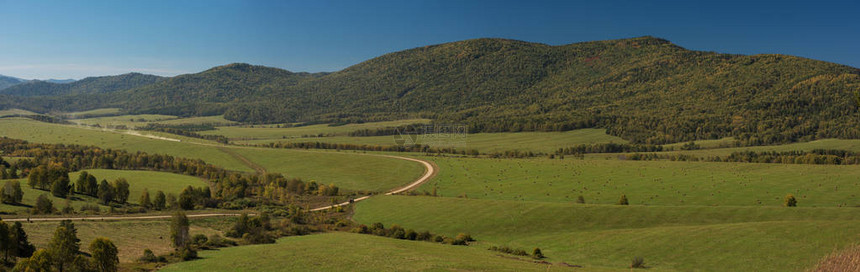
x=429, y=171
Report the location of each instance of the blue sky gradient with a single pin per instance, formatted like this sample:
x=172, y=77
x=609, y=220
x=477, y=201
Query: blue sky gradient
x=75, y=39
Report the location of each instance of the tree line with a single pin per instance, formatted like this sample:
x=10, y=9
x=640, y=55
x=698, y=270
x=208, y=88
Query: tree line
x=817, y=156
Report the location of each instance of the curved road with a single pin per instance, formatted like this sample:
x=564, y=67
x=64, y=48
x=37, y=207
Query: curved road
x=429, y=171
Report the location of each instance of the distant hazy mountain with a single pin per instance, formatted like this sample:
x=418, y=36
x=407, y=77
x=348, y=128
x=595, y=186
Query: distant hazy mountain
x=7, y=81
x=645, y=89
x=59, y=81
x=90, y=85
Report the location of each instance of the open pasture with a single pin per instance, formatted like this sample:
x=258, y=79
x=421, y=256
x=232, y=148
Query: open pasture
x=682, y=238
x=603, y=181
x=358, y=252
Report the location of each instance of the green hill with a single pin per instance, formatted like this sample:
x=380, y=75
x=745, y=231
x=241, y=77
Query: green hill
x=7, y=81
x=90, y=85
x=644, y=89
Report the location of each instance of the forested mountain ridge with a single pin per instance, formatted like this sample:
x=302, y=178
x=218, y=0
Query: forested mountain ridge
x=645, y=89
x=7, y=81
x=90, y=85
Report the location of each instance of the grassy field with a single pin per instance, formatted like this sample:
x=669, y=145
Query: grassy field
x=11, y=112
x=25, y=129
x=718, y=143
x=95, y=112
x=543, y=142
x=839, y=144
x=150, y=180
x=350, y=171
x=215, y=120
x=130, y=237
x=272, y=132
x=646, y=182
x=138, y=180
x=141, y=120
x=694, y=238
x=130, y=121
x=357, y=252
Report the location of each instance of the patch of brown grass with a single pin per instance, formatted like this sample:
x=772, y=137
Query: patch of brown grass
x=130, y=237
x=843, y=261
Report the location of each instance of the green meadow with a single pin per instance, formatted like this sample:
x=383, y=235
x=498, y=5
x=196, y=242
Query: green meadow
x=273, y=132
x=838, y=144
x=95, y=112
x=358, y=252
x=130, y=121
x=603, y=181
x=25, y=129
x=348, y=170
x=671, y=238
x=11, y=112
x=152, y=181
x=543, y=142
x=141, y=120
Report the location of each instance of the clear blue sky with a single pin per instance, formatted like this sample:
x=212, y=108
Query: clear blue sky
x=75, y=39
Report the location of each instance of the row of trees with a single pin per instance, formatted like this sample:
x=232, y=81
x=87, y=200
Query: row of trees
x=398, y=232
x=608, y=148
x=819, y=156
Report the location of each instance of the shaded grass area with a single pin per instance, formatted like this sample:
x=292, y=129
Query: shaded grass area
x=603, y=181
x=138, y=180
x=684, y=238
x=357, y=252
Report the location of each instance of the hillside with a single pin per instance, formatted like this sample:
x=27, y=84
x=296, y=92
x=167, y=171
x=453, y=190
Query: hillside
x=90, y=85
x=645, y=89
x=7, y=81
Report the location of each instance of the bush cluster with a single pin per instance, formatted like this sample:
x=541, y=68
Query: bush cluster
x=398, y=232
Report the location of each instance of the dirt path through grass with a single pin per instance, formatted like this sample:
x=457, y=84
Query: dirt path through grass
x=257, y=168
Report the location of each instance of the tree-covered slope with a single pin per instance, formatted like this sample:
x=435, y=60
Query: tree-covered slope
x=90, y=85
x=7, y=81
x=642, y=89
